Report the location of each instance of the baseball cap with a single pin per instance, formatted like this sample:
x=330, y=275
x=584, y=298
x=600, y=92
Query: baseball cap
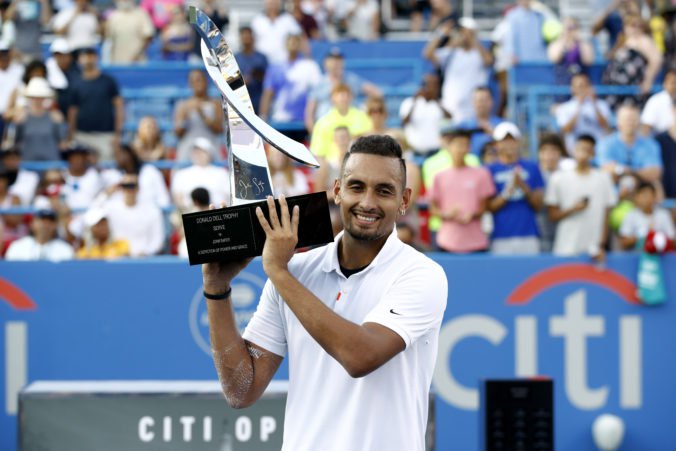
x=4, y=46
x=449, y=128
x=60, y=45
x=335, y=52
x=204, y=144
x=468, y=22
x=93, y=216
x=506, y=128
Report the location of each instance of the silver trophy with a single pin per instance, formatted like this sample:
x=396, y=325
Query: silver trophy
x=234, y=232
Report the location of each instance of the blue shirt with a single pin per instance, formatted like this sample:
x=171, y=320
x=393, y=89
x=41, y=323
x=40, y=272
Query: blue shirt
x=94, y=100
x=525, y=40
x=479, y=138
x=291, y=83
x=253, y=69
x=517, y=218
x=645, y=152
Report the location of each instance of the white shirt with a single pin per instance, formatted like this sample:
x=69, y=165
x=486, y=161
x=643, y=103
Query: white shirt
x=141, y=225
x=586, y=124
x=82, y=31
x=360, y=23
x=80, y=192
x=326, y=409
x=299, y=185
x=580, y=233
x=25, y=186
x=464, y=70
x=271, y=35
x=422, y=131
x=638, y=224
x=214, y=179
x=151, y=186
x=10, y=79
x=658, y=112
x=27, y=248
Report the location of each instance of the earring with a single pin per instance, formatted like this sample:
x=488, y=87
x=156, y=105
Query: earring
x=402, y=211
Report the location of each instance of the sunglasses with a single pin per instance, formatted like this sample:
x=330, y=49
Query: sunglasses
x=128, y=185
x=376, y=110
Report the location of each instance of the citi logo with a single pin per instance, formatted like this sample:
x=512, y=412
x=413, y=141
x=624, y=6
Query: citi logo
x=575, y=330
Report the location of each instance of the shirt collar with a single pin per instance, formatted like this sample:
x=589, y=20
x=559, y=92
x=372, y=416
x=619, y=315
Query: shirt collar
x=330, y=261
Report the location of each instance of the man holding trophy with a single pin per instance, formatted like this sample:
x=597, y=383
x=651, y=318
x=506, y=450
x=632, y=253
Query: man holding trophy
x=359, y=317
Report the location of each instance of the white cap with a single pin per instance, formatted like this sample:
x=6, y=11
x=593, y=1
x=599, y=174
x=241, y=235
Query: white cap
x=204, y=144
x=506, y=128
x=93, y=216
x=59, y=45
x=39, y=87
x=4, y=46
x=469, y=23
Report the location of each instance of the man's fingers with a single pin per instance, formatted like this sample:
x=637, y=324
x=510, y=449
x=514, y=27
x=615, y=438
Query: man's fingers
x=272, y=213
x=264, y=222
x=295, y=218
x=284, y=210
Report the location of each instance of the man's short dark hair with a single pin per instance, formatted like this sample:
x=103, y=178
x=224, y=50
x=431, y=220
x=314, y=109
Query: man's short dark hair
x=246, y=29
x=200, y=197
x=484, y=88
x=586, y=138
x=382, y=145
x=645, y=185
x=552, y=139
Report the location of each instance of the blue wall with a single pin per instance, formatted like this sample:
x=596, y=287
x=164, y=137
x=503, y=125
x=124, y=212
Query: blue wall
x=505, y=317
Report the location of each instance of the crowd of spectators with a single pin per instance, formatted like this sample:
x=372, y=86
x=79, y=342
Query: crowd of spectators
x=597, y=183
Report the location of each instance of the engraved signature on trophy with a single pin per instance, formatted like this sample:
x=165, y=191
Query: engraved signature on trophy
x=257, y=187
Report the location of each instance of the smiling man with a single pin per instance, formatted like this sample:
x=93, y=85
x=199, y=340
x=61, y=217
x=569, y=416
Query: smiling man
x=359, y=318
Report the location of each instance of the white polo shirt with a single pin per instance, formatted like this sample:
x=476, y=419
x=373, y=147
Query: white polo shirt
x=658, y=112
x=326, y=409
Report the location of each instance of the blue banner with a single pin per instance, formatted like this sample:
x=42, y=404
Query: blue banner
x=506, y=318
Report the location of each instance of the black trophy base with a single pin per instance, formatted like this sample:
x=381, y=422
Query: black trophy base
x=234, y=233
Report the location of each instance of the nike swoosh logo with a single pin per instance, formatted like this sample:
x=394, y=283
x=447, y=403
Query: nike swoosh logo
x=394, y=313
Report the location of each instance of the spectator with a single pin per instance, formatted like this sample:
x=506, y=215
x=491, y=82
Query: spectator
x=439, y=162
x=306, y=21
x=82, y=181
x=520, y=187
x=96, y=112
x=129, y=31
x=177, y=37
x=40, y=130
x=489, y=154
x=18, y=102
x=197, y=116
x=551, y=153
x=271, y=29
x=645, y=217
x=7, y=198
x=524, y=41
x=342, y=114
x=253, y=65
x=583, y=114
x=421, y=116
x=625, y=150
x=363, y=20
x=287, y=84
x=376, y=109
x=160, y=11
x=10, y=79
x=29, y=17
x=610, y=19
x=62, y=72
x=43, y=244
x=12, y=225
x=200, y=201
x=458, y=197
x=79, y=24
x=99, y=243
x=287, y=179
x=319, y=100
x=147, y=143
x=329, y=172
x=579, y=201
x=667, y=143
x=142, y=225
x=202, y=173
x=151, y=186
x=26, y=182
x=635, y=60
x=7, y=28
x=464, y=63
x=483, y=121
x=657, y=115
x=570, y=52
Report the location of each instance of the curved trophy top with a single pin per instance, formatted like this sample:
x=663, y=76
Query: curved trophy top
x=224, y=71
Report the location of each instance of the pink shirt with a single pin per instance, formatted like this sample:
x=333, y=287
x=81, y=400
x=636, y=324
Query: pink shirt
x=462, y=189
x=160, y=10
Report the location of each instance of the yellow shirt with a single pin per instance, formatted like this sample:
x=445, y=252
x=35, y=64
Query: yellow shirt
x=114, y=249
x=356, y=121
